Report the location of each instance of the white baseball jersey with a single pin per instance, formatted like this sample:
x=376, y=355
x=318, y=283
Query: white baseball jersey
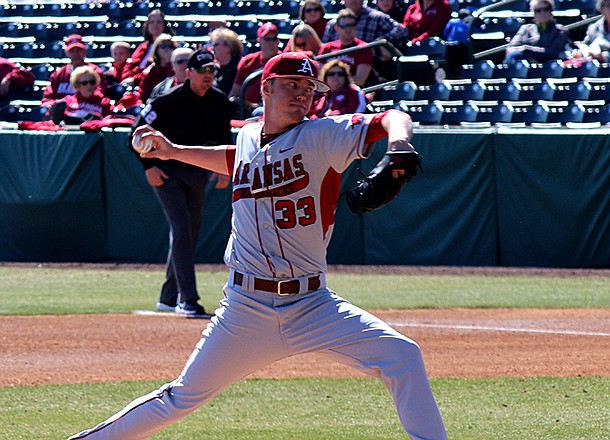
x=293, y=183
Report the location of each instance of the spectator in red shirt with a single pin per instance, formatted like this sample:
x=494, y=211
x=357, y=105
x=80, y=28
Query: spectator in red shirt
x=344, y=97
x=13, y=80
x=119, y=68
x=142, y=56
x=268, y=40
x=312, y=13
x=360, y=63
x=87, y=103
x=161, y=67
x=427, y=18
x=59, y=82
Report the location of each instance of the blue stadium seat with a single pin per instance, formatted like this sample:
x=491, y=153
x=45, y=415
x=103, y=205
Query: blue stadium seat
x=527, y=112
x=92, y=29
x=224, y=8
x=19, y=50
x=479, y=70
x=433, y=92
x=290, y=7
x=127, y=28
x=421, y=113
x=586, y=7
x=586, y=69
x=9, y=113
x=600, y=88
x=404, y=91
x=433, y=47
x=190, y=28
x=548, y=69
x=517, y=69
x=53, y=49
x=499, y=90
x=593, y=110
x=253, y=7
x=570, y=89
x=454, y=113
x=464, y=90
x=34, y=114
x=188, y=8
x=58, y=31
x=564, y=113
x=493, y=112
x=507, y=25
x=534, y=89
x=246, y=28
x=42, y=72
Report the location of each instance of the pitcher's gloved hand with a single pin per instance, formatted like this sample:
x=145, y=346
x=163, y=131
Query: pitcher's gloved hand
x=384, y=182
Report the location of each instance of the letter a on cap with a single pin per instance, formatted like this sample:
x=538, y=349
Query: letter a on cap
x=306, y=68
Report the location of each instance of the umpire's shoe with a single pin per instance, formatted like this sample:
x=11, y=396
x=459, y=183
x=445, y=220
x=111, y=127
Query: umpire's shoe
x=192, y=308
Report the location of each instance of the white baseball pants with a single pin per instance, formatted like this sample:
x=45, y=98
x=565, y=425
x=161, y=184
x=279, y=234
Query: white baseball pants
x=253, y=329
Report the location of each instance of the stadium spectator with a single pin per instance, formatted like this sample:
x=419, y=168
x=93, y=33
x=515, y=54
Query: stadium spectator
x=180, y=58
x=396, y=9
x=371, y=25
x=312, y=13
x=121, y=57
x=228, y=50
x=142, y=56
x=86, y=104
x=360, y=63
x=596, y=44
x=161, y=68
x=14, y=80
x=427, y=19
x=542, y=40
x=59, y=82
x=457, y=33
x=269, y=43
x=304, y=39
x=344, y=96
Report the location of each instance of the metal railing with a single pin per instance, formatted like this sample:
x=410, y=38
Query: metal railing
x=395, y=53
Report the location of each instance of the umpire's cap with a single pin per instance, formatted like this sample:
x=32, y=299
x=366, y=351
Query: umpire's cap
x=294, y=65
x=201, y=58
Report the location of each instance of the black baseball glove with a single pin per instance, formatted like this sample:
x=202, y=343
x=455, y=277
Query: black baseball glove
x=384, y=182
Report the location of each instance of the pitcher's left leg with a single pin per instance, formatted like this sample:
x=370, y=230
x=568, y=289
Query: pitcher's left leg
x=357, y=338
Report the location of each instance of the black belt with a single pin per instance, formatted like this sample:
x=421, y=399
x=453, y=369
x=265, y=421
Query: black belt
x=282, y=287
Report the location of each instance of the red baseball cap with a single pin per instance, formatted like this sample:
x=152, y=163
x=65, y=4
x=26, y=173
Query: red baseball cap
x=294, y=65
x=266, y=29
x=73, y=41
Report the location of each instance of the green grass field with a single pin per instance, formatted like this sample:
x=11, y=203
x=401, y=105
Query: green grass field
x=505, y=408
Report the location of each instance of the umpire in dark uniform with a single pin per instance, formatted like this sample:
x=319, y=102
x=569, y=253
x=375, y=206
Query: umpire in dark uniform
x=192, y=113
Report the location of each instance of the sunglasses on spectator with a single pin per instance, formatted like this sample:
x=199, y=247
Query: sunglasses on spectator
x=220, y=43
x=539, y=10
x=347, y=25
x=181, y=61
x=166, y=46
x=311, y=9
x=86, y=82
x=337, y=73
x=301, y=44
x=206, y=69
x=270, y=38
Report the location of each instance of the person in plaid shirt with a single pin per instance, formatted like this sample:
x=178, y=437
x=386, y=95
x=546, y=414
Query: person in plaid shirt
x=371, y=25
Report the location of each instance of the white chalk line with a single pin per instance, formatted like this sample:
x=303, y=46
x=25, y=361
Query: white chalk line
x=496, y=329
x=444, y=326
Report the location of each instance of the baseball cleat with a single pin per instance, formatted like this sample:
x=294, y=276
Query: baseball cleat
x=192, y=309
x=164, y=307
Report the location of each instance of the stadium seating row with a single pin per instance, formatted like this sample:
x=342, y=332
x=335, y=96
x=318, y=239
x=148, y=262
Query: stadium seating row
x=513, y=113
x=486, y=69
x=552, y=89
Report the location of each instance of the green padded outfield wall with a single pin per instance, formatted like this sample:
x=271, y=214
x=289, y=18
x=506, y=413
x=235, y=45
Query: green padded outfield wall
x=510, y=197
